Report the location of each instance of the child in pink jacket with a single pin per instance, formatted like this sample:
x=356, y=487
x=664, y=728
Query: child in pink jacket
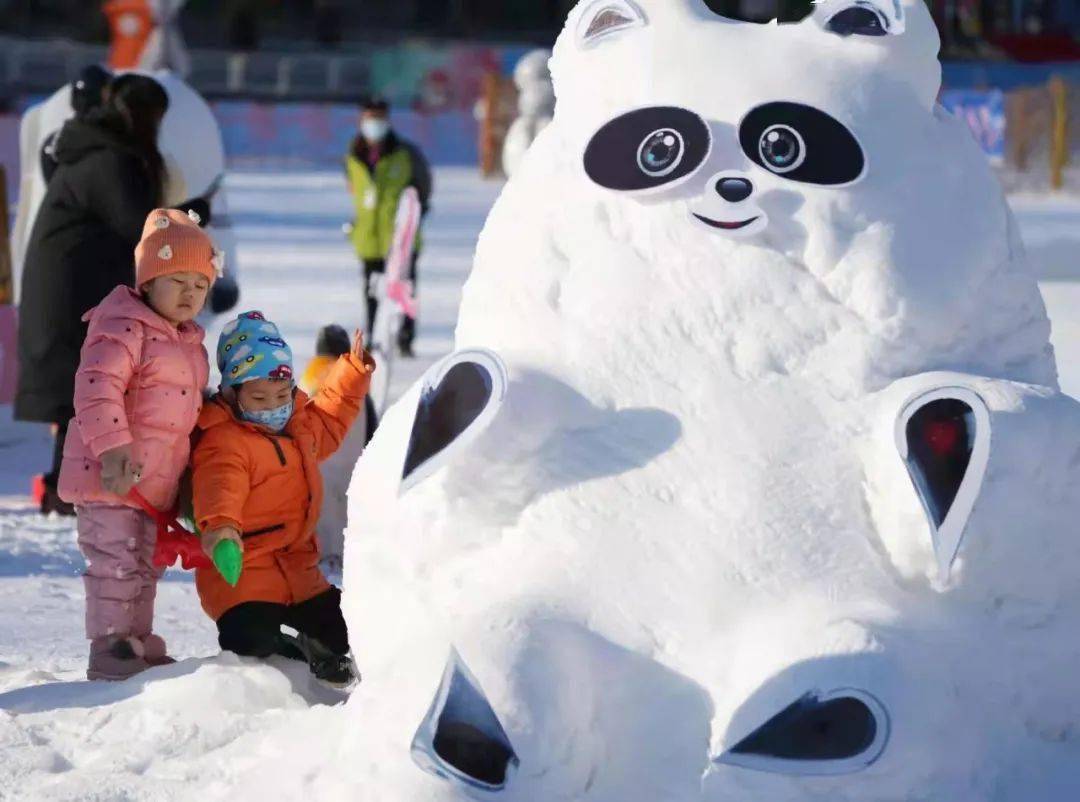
x=138, y=393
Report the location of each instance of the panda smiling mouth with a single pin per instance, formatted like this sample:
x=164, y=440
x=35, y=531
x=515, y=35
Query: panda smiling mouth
x=724, y=225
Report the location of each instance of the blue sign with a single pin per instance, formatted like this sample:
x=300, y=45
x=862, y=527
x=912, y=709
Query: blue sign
x=984, y=112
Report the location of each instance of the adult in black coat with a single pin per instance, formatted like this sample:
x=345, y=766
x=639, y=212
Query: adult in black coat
x=109, y=177
x=87, y=95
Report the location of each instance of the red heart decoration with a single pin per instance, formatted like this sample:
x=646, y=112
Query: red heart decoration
x=943, y=436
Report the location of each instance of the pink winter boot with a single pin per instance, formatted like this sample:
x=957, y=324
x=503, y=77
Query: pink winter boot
x=155, y=652
x=114, y=659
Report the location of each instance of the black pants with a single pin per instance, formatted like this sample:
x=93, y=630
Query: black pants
x=254, y=629
x=374, y=267
x=52, y=478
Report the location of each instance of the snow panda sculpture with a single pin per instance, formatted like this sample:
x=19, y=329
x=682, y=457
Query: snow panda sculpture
x=191, y=143
x=752, y=479
x=536, y=104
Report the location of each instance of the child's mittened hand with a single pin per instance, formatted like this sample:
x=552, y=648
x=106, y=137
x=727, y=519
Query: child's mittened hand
x=119, y=473
x=361, y=353
x=211, y=539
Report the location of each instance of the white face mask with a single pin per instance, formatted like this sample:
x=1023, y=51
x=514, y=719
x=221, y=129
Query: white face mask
x=375, y=130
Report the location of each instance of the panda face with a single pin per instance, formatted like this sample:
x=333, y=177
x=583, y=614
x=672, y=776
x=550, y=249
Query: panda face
x=657, y=150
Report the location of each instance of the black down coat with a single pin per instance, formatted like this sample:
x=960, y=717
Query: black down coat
x=82, y=246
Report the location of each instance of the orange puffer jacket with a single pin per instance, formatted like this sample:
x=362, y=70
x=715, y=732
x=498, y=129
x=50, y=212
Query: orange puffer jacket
x=269, y=488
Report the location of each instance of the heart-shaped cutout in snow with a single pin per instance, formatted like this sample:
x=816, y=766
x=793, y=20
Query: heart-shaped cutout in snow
x=944, y=440
x=459, y=398
x=842, y=732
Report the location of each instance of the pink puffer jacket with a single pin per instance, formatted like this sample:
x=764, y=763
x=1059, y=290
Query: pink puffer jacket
x=140, y=382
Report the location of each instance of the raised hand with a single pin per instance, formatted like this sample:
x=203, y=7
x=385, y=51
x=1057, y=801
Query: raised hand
x=360, y=352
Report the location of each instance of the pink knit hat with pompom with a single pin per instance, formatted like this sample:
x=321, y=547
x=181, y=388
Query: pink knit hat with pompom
x=172, y=242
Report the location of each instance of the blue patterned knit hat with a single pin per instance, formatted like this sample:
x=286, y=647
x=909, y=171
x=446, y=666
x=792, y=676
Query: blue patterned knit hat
x=251, y=348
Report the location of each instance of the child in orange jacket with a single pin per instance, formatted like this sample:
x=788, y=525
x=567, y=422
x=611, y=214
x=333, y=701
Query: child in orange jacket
x=256, y=482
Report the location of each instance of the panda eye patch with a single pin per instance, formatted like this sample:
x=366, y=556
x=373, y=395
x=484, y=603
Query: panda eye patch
x=763, y=11
x=648, y=149
x=859, y=20
x=802, y=144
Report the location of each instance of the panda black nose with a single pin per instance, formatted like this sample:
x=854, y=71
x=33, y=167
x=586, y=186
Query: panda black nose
x=734, y=190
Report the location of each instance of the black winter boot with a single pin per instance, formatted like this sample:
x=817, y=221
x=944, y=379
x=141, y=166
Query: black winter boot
x=337, y=670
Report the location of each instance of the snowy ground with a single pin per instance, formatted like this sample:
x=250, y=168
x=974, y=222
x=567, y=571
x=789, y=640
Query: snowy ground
x=1051, y=229
x=63, y=739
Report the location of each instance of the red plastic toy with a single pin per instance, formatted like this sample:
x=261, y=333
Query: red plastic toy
x=173, y=540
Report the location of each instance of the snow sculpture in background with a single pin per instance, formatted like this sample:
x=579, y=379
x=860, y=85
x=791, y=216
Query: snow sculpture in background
x=536, y=105
x=781, y=501
x=191, y=143
x=166, y=49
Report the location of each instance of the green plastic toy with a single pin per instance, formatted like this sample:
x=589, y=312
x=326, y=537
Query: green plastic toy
x=229, y=561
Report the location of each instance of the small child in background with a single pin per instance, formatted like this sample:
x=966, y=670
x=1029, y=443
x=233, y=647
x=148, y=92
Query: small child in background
x=138, y=394
x=256, y=482
x=332, y=344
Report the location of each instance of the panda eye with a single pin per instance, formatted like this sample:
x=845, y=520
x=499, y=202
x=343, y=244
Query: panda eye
x=648, y=149
x=782, y=149
x=661, y=153
x=607, y=17
x=802, y=144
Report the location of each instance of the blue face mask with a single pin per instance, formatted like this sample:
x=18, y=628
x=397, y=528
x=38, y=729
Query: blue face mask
x=273, y=419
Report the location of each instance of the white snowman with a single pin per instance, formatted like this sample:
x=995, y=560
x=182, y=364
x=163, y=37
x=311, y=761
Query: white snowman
x=191, y=144
x=752, y=480
x=536, y=105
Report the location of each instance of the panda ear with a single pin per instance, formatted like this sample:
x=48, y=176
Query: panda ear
x=603, y=18
x=861, y=17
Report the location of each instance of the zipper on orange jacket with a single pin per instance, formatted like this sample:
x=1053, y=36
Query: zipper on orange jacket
x=277, y=447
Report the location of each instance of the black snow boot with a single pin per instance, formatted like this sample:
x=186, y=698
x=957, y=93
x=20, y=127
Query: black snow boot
x=326, y=666
x=52, y=503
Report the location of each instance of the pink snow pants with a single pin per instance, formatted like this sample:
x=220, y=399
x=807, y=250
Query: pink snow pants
x=121, y=580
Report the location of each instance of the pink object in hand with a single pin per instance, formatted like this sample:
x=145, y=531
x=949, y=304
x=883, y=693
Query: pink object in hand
x=406, y=226
x=401, y=293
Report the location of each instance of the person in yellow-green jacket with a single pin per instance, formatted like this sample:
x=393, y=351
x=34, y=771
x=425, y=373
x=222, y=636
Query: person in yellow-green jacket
x=380, y=165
